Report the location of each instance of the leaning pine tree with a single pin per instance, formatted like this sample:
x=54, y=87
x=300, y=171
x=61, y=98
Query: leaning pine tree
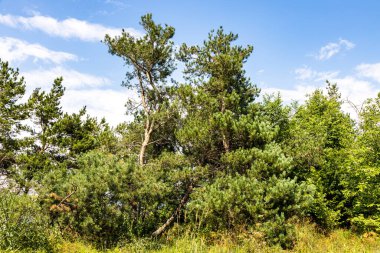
x=151, y=60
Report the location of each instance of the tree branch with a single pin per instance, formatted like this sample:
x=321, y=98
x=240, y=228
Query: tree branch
x=68, y=196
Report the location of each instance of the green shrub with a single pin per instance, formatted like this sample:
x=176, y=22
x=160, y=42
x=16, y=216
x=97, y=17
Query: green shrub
x=23, y=224
x=94, y=209
x=366, y=224
x=114, y=200
x=268, y=206
x=279, y=231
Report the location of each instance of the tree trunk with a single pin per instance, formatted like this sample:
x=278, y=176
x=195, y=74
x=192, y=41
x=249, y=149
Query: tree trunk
x=147, y=133
x=148, y=128
x=226, y=145
x=183, y=202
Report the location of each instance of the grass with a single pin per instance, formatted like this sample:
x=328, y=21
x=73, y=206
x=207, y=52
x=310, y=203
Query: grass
x=309, y=241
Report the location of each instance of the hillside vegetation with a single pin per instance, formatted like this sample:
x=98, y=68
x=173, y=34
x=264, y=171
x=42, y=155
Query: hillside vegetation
x=207, y=165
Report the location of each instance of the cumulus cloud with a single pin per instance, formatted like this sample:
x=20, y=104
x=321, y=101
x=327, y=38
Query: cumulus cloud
x=100, y=103
x=67, y=28
x=355, y=91
x=15, y=50
x=72, y=79
x=353, y=88
x=84, y=89
x=333, y=48
x=370, y=71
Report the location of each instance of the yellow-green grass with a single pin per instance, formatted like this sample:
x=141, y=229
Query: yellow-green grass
x=309, y=240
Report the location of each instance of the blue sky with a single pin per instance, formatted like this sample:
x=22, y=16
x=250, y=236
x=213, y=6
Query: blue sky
x=297, y=44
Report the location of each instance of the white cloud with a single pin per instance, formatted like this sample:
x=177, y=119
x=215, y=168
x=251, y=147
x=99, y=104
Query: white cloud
x=306, y=73
x=333, y=48
x=84, y=90
x=356, y=91
x=353, y=88
x=100, y=103
x=370, y=71
x=15, y=50
x=298, y=93
x=117, y=3
x=67, y=28
x=72, y=79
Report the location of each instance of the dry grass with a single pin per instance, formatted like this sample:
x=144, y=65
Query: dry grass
x=309, y=241
x=340, y=240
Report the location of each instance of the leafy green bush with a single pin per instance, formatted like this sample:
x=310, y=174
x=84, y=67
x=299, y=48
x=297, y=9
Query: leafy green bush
x=23, y=224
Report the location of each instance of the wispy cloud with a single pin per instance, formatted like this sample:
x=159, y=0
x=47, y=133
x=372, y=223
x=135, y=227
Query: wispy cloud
x=305, y=73
x=333, y=48
x=117, y=3
x=260, y=71
x=67, y=28
x=15, y=50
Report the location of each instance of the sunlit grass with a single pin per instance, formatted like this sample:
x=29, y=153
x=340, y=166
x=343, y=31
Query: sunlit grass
x=309, y=241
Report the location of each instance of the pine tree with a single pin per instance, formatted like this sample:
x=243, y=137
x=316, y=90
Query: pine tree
x=222, y=94
x=56, y=140
x=12, y=114
x=151, y=60
x=247, y=180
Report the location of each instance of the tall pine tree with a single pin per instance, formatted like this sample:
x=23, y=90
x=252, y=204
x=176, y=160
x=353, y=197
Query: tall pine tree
x=12, y=114
x=151, y=60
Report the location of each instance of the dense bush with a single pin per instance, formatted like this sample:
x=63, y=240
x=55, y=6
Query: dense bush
x=233, y=202
x=112, y=200
x=23, y=223
x=96, y=208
